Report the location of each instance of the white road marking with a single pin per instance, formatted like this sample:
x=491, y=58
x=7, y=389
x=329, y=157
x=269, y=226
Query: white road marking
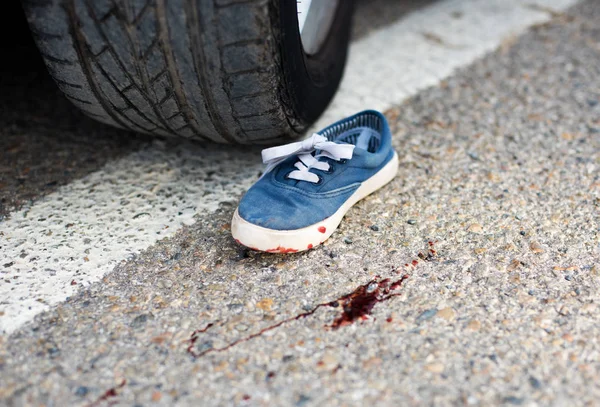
x=76, y=235
x=428, y=45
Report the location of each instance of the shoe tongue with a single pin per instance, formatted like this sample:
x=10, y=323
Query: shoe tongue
x=362, y=138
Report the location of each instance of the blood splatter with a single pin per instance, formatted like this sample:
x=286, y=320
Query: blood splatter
x=194, y=336
x=395, y=285
x=281, y=249
x=428, y=255
x=108, y=394
x=359, y=303
x=322, y=229
x=355, y=306
x=310, y=246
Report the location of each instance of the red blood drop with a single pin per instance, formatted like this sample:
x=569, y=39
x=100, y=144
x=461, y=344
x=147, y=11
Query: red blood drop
x=322, y=229
x=415, y=262
x=281, y=249
x=310, y=246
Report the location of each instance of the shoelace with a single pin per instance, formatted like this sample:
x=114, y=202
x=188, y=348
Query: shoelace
x=274, y=156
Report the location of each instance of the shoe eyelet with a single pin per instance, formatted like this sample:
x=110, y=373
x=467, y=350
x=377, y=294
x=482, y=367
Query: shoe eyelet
x=287, y=176
x=330, y=170
x=320, y=180
x=343, y=161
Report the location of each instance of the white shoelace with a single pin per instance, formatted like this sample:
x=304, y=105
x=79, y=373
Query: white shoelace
x=274, y=156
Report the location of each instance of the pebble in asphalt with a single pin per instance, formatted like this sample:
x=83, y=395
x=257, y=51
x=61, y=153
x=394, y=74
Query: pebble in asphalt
x=489, y=319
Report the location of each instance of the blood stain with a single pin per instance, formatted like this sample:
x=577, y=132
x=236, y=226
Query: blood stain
x=356, y=305
x=322, y=229
x=110, y=393
x=396, y=284
x=281, y=249
x=310, y=246
x=194, y=337
x=415, y=262
x=359, y=303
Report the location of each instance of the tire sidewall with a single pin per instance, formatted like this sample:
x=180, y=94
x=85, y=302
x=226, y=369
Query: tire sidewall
x=312, y=80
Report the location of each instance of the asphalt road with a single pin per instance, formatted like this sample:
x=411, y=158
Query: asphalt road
x=471, y=280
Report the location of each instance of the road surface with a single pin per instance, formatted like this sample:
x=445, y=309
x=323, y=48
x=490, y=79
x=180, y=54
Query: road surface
x=471, y=279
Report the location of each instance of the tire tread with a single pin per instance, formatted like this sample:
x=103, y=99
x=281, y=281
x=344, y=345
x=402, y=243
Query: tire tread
x=119, y=62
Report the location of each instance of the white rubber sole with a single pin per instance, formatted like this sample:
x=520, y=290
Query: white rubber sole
x=298, y=240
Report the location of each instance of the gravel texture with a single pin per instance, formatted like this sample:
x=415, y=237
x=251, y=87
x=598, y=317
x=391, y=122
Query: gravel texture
x=76, y=236
x=494, y=217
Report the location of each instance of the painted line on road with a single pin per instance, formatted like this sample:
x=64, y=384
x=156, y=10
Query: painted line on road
x=427, y=46
x=76, y=235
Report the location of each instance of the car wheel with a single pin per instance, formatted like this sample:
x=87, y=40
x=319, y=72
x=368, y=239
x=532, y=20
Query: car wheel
x=229, y=71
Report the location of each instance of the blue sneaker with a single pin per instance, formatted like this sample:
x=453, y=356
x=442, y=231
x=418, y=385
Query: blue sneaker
x=308, y=186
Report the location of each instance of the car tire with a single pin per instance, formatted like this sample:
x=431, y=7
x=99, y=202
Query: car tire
x=227, y=71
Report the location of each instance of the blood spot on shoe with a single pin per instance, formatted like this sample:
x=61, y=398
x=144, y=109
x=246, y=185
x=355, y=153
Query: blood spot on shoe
x=322, y=229
x=310, y=246
x=281, y=249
